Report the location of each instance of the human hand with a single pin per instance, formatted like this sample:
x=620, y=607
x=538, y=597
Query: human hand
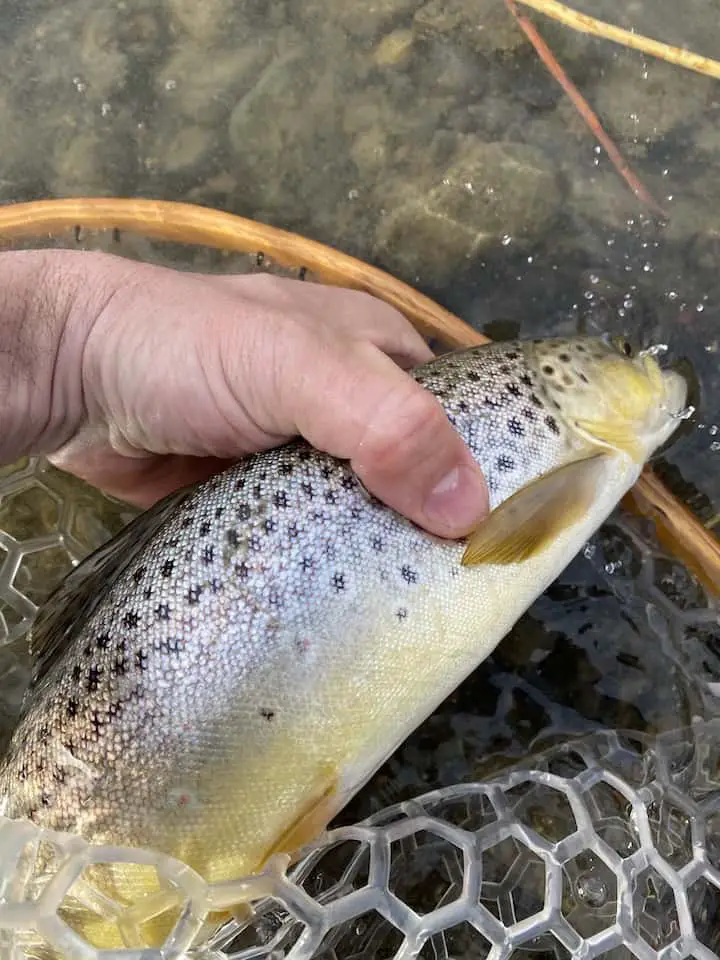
x=148, y=379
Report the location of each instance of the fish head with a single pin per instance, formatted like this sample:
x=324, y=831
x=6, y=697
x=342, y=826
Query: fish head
x=610, y=394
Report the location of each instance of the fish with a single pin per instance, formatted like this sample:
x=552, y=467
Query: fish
x=221, y=678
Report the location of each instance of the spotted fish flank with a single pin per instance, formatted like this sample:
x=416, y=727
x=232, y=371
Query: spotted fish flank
x=221, y=678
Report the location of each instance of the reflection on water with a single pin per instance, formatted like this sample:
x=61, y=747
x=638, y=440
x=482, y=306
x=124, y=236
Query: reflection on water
x=426, y=138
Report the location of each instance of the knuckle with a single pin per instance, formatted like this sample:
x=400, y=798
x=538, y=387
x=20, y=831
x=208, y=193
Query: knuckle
x=411, y=424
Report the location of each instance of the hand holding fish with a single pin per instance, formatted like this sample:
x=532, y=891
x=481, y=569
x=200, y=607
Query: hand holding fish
x=141, y=379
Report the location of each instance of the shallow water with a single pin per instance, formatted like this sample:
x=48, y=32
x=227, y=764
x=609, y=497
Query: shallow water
x=426, y=138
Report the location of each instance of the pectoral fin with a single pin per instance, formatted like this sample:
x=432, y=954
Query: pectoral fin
x=526, y=523
x=616, y=434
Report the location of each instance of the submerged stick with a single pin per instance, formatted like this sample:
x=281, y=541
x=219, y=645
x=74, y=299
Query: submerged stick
x=585, y=110
x=679, y=529
x=626, y=38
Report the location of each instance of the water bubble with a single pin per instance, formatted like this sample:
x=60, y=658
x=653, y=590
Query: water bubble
x=105, y=109
x=714, y=430
x=672, y=295
x=170, y=84
x=353, y=194
x=506, y=239
x=591, y=890
x=700, y=307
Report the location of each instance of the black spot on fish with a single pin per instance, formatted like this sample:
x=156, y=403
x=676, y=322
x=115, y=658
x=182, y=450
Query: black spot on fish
x=564, y=357
x=71, y=707
x=505, y=463
x=493, y=402
x=273, y=598
x=286, y=468
x=194, y=594
x=515, y=427
x=119, y=668
x=257, y=491
x=215, y=585
x=131, y=619
x=529, y=414
x=330, y=497
x=204, y=528
x=348, y=482
x=326, y=471
x=94, y=676
x=402, y=613
x=243, y=511
x=377, y=544
x=304, y=453
x=307, y=563
x=512, y=355
x=308, y=490
x=552, y=425
x=187, y=522
x=338, y=582
x=102, y=641
x=232, y=538
x=280, y=499
x=525, y=379
x=409, y=575
x=97, y=723
x=76, y=672
x=254, y=543
x=139, y=574
x=242, y=570
x=472, y=376
x=267, y=714
x=270, y=525
x=170, y=645
x=167, y=567
x=208, y=553
x=219, y=511
x=141, y=659
x=535, y=400
x=513, y=389
x=548, y=370
x=292, y=531
x=162, y=611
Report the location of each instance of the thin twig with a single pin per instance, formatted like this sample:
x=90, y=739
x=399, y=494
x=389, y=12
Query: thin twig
x=626, y=38
x=585, y=110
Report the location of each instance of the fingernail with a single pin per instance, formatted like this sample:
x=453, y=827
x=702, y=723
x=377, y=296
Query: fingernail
x=457, y=504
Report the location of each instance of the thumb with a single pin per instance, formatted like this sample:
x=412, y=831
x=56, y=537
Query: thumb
x=397, y=437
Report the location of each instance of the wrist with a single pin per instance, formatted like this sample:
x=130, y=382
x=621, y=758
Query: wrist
x=48, y=304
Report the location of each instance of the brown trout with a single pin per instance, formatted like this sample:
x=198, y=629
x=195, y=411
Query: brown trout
x=221, y=678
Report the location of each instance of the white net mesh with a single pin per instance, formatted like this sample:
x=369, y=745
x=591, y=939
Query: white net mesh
x=605, y=846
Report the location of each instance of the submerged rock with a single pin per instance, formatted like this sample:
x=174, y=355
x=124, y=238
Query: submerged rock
x=492, y=193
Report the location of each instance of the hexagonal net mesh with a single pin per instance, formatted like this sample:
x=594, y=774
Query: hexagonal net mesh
x=606, y=845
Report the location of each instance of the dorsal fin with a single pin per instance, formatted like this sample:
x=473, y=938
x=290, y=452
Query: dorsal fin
x=85, y=587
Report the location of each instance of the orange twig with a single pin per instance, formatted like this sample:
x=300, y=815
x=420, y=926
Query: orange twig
x=584, y=109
